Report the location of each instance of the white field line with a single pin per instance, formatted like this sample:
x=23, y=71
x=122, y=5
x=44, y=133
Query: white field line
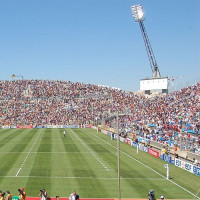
x=83, y=177
x=91, y=152
x=194, y=195
x=28, y=154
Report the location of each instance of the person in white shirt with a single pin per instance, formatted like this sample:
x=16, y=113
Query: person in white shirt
x=73, y=196
x=43, y=194
x=162, y=197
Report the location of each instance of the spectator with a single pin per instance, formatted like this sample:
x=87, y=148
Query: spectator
x=8, y=195
x=2, y=195
x=57, y=198
x=43, y=194
x=22, y=194
x=73, y=196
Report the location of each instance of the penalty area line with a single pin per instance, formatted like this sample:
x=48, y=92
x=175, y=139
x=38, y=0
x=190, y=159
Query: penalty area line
x=97, y=158
x=28, y=154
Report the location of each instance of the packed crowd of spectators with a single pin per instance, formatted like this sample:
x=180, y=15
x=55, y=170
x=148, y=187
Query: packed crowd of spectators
x=171, y=118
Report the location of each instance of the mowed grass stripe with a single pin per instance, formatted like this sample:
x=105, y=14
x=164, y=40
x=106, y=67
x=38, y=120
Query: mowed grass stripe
x=7, y=134
x=41, y=165
x=29, y=157
x=126, y=165
x=70, y=164
x=104, y=187
x=129, y=185
x=91, y=159
x=42, y=162
x=104, y=153
x=128, y=169
x=66, y=164
x=173, y=190
x=77, y=163
x=72, y=167
x=12, y=162
x=98, y=186
x=60, y=162
x=86, y=166
x=92, y=153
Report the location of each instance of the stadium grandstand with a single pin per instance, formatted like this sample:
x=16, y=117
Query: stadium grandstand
x=172, y=119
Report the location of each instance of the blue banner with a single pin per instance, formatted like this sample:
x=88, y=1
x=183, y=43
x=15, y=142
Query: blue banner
x=196, y=170
x=134, y=144
x=167, y=158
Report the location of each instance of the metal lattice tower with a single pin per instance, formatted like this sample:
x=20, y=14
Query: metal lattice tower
x=138, y=15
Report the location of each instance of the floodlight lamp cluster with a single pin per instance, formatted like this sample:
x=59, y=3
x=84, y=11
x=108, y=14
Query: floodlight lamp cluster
x=137, y=12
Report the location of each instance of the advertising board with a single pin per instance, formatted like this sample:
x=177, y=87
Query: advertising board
x=25, y=126
x=142, y=147
x=167, y=158
x=153, y=152
x=187, y=166
x=134, y=144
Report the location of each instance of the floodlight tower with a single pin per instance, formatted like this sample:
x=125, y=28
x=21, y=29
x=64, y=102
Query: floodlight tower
x=138, y=15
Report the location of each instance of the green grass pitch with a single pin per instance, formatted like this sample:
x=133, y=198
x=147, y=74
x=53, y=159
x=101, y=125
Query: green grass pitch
x=85, y=161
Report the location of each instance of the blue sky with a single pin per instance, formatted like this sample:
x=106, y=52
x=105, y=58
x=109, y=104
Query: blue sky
x=98, y=42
